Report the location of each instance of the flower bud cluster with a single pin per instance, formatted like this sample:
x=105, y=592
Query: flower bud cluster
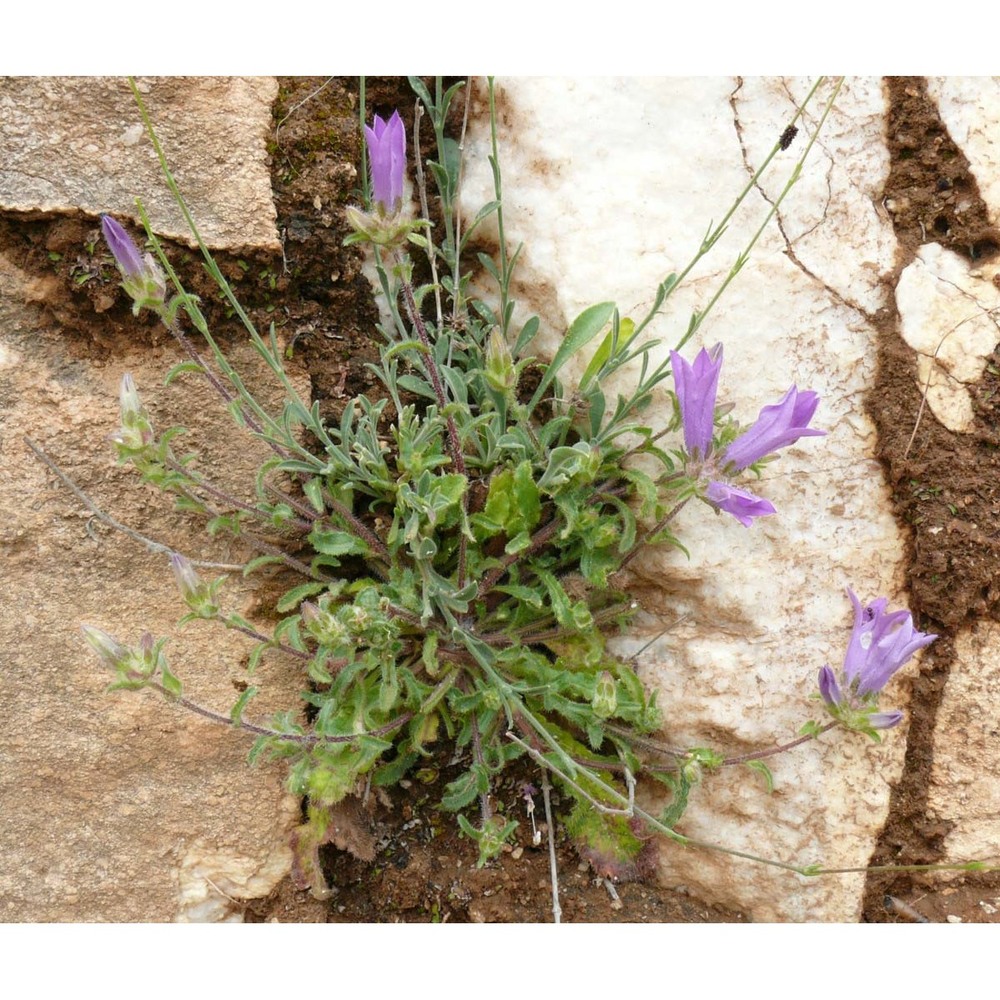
x=777, y=426
x=364, y=623
x=134, y=666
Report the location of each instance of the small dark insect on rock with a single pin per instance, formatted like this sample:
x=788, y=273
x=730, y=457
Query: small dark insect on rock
x=788, y=136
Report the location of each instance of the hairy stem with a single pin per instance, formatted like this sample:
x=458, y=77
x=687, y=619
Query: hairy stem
x=307, y=739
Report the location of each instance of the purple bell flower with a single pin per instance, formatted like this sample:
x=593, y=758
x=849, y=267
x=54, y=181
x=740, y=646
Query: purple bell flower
x=742, y=504
x=881, y=643
x=776, y=427
x=387, y=157
x=696, y=387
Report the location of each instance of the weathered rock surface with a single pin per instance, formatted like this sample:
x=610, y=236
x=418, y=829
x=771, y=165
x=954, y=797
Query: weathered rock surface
x=77, y=144
x=120, y=807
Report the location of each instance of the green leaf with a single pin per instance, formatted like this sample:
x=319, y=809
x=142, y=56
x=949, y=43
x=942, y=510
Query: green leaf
x=526, y=336
x=293, y=598
x=236, y=713
x=417, y=85
x=513, y=504
x=313, y=489
x=606, y=842
x=171, y=684
x=464, y=789
x=582, y=330
x=761, y=768
x=626, y=331
x=180, y=368
x=255, y=657
x=681, y=786
x=336, y=543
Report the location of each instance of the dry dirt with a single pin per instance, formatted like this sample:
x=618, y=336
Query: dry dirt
x=315, y=292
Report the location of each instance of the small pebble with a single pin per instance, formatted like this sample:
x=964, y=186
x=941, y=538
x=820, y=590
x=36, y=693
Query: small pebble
x=953, y=919
x=516, y=853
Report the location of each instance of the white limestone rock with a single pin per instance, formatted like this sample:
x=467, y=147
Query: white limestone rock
x=611, y=185
x=949, y=315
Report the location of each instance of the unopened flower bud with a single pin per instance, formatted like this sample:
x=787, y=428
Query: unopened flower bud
x=148, y=653
x=500, y=371
x=198, y=595
x=605, y=700
x=112, y=653
x=141, y=275
x=187, y=579
x=137, y=429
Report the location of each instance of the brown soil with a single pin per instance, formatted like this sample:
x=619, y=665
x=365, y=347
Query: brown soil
x=946, y=489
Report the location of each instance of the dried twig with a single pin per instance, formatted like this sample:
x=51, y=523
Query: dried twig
x=553, y=867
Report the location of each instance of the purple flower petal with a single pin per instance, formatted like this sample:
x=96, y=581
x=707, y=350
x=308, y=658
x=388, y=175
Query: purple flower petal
x=829, y=688
x=697, y=386
x=885, y=720
x=386, y=142
x=121, y=245
x=742, y=504
x=880, y=644
x=889, y=653
x=777, y=426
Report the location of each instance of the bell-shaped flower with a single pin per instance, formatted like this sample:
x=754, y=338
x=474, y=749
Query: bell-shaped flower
x=742, y=504
x=881, y=643
x=696, y=386
x=776, y=427
x=386, y=142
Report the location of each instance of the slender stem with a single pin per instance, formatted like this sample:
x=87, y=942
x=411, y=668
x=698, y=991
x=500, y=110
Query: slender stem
x=454, y=444
x=418, y=113
x=227, y=498
x=716, y=232
x=505, y=271
x=307, y=739
x=306, y=512
x=435, y=377
x=260, y=637
x=485, y=809
x=456, y=195
x=150, y=544
x=655, y=530
x=553, y=867
x=358, y=527
x=273, y=550
x=538, y=539
x=771, y=751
